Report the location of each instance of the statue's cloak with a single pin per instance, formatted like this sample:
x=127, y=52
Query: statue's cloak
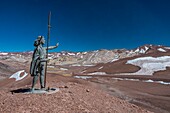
x=35, y=63
x=38, y=59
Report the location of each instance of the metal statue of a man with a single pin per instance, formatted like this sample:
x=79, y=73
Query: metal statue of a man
x=39, y=60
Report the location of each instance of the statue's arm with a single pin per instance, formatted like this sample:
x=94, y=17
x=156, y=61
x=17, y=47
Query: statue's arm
x=53, y=47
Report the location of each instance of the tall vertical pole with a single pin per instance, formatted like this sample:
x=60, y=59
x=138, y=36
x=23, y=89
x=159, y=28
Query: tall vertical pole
x=48, y=40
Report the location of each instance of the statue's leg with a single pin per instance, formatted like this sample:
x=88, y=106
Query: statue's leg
x=35, y=78
x=42, y=74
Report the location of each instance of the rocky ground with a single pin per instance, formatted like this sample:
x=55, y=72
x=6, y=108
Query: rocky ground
x=75, y=96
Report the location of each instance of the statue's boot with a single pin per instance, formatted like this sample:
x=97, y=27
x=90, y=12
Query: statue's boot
x=32, y=90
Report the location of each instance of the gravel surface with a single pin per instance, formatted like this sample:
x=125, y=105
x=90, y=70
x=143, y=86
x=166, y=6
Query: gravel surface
x=75, y=96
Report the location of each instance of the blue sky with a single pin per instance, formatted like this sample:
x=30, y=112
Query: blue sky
x=84, y=25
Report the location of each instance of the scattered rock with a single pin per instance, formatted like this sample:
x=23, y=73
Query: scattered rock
x=61, y=86
x=87, y=90
x=65, y=86
x=69, y=92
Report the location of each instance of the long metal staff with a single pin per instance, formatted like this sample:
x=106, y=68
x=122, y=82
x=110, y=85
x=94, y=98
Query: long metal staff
x=48, y=40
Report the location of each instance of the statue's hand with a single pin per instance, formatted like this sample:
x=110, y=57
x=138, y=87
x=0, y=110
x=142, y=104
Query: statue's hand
x=57, y=44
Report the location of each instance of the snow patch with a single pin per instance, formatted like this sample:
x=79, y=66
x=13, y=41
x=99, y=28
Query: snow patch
x=146, y=48
x=81, y=56
x=126, y=79
x=162, y=82
x=141, y=50
x=100, y=67
x=131, y=52
x=17, y=75
x=83, y=77
x=167, y=47
x=63, y=69
x=51, y=56
x=88, y=65
x=97, y=73
x=71, y=54
x=84, y=53
x=50, y=66
x=149, y=65
x=161, y=50
x=114, y=60
x=3, y=53
x=150, y=81
x=137, y=50
x=78, y=53
x=76, y=65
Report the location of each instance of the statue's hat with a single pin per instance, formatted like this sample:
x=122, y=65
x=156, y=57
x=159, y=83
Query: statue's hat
x=40, y=37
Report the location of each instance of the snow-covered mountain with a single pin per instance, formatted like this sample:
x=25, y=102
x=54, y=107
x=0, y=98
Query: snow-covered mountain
x=87, y=58
x=144, y=60
x=151, y=48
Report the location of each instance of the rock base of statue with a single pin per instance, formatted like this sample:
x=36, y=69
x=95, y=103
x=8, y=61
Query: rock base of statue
x=43, y=91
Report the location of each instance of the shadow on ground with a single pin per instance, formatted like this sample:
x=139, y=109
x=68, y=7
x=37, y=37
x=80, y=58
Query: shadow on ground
x=21, y=90
x=35, y=91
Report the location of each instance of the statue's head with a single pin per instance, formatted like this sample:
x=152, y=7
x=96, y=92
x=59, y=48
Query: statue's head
x=39, y=40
